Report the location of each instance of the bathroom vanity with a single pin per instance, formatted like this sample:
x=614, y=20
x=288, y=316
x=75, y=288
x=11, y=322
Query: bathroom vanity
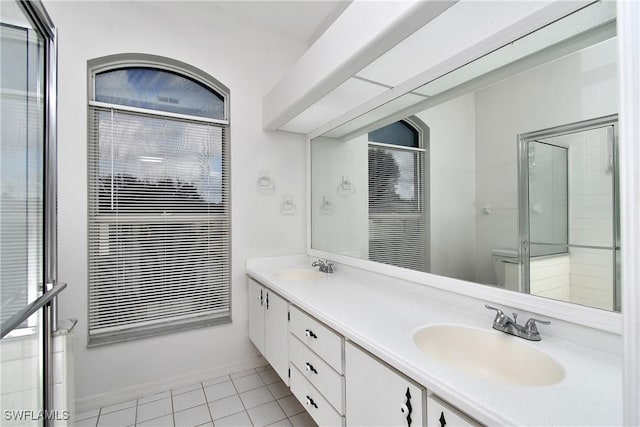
x=352, y=357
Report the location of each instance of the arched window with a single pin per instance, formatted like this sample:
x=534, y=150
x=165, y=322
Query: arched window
x=399, y=194
x=159, y=211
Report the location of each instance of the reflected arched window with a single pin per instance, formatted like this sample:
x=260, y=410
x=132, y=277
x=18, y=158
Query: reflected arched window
x=398, y=167
x=159, y=211
x=399, y=133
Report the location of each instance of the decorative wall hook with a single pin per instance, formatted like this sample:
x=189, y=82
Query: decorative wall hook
x=287, y=207
x=346, y=188
x=327, y=208
x=265, y=184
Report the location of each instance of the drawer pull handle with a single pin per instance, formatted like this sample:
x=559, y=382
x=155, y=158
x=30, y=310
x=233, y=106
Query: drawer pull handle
x=443, y=421
x=310, y=368
x=260, y=298
x=310, y=402
x=407, y=408
x=309, y=333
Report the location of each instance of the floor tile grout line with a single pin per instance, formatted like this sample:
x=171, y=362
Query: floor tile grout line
x=251, y=389
x=135, y=418
x=172, y=395
x=154, y=418
x=255, y=371
x=206, y=402
x=283, y=411
x=241, y=402
x=173, y=409
x=191, y=407
x=184, y=392
x=285, y=414
x=228, y=415
x=154, y=394
x=217, y=378
x=286, y=417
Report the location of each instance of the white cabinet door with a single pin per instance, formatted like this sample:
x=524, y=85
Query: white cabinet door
x=256, y=314
x=276, y=339
x=441, y=414
x=377, y=395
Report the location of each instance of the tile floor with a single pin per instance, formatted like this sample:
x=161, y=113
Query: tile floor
x=256, y=397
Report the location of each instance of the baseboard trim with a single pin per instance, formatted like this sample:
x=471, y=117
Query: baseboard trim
x=87, y=403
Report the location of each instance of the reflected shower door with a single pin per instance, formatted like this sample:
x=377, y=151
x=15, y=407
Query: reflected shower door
x=569, y=229
x=548, y=207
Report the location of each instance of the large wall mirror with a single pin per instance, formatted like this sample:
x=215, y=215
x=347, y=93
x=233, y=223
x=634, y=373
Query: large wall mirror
x=502, y=172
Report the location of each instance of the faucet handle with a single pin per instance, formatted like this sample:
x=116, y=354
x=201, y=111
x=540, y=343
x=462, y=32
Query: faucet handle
x=329, y=267
x=531, y=328
x=497, y=310
x=500, y=317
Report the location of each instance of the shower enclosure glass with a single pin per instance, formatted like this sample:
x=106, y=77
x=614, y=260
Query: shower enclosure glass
x=28, y=285
x=569, y=213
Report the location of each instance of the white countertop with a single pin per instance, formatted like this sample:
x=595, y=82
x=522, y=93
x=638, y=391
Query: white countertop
x=381, y=315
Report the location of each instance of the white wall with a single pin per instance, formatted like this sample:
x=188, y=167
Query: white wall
x=578, y=87
x=451, y=181
x=452, y=186
x=246, y=60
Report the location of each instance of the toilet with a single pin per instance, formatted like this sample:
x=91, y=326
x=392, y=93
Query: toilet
x=506, y=267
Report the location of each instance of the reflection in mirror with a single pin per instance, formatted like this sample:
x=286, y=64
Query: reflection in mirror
x=435, y=173
x=569, y=232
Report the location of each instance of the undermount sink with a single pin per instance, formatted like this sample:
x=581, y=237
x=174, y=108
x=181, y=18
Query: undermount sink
x=489, y=355
x=299, y=274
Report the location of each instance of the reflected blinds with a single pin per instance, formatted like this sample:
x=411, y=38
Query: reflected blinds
x=398, y=228
x=21, y=202
x=159, y=224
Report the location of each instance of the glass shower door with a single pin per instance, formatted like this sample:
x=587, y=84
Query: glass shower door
x=21, y=212
x=548, y=207
x=27, y=212
x=570, y=236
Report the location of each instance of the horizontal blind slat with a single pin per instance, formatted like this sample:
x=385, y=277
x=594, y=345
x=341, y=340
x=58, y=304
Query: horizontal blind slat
x=397, y=219
x=159, y=235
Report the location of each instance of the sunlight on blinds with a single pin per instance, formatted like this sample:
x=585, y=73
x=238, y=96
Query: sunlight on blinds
x=158, y=222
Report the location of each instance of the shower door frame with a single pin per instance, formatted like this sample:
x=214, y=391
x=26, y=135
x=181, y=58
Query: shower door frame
x=47, y=302
x=523, y=195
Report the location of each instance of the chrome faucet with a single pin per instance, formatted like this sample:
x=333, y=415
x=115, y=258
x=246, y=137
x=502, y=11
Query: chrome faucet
x=503, y=323
x=324, y=266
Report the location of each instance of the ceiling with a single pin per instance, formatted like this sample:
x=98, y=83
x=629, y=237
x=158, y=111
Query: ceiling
x=407, y=59
x=301, y=19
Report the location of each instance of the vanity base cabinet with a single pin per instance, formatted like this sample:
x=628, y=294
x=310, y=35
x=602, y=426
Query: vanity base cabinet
x=269, y=327
x=317, y=367
x=440, y=413
x=313, y=401
x=327, y=381
x=378, y=395
x=256, y=315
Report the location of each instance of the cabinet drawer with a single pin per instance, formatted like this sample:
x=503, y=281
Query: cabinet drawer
x=317, y=372
x=322, y=340
x=440, y=413
x=316, y=405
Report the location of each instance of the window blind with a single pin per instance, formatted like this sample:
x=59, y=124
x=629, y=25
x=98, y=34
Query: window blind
x=159, y=224
x=398, y=227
